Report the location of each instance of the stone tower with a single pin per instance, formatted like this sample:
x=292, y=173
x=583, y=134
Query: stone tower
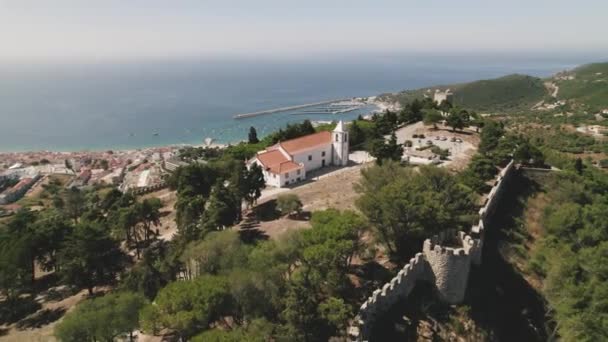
x=340, y=145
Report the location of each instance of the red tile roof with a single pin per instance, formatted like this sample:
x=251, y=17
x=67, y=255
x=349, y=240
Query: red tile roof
x=285, y=167
x=276, y=162
x=23, y=182
x=308, y=141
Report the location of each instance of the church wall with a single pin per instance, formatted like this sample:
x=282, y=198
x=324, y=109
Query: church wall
x=291, y=177
x=316, y=155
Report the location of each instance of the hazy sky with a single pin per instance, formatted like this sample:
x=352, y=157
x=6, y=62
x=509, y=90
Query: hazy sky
x=127, y=29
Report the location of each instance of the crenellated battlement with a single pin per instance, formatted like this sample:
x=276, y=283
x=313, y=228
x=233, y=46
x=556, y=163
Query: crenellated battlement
x=447, y=265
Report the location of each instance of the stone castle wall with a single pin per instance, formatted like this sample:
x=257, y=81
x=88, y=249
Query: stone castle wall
x=398, y=288
x=447, y=267
x=450, y=265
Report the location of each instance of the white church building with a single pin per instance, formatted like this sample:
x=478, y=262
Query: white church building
x=288, y=162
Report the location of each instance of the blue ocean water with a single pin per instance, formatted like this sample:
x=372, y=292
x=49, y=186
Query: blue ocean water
x=122, y=105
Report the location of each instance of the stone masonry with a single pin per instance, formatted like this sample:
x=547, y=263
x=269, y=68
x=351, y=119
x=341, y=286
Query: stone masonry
x=446, y=267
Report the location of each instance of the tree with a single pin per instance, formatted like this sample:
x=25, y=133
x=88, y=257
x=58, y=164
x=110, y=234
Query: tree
x=258, y=330
x=148, y=214
x=15, y=270
x=253, y=136
x=578, y=166
x=21, y=229
x=490, y=136
x=336, y=233
x=222, y=210
x=335, y=312
x=51, y=230
x=90, y=257
x=528, y=154
x=289, y=204
x=253, y=184
x=217, y=252
x=445, y=106
x=188, y=306
x=387, y=151
x=407, y=209
x=188, y=213
x=411, y=112
x=432, y=117
x=476, y=120
x=74, y=203
x=102, y=319
x=480, y=169
x=458, y=119
x=158, y=266
x=356, y=134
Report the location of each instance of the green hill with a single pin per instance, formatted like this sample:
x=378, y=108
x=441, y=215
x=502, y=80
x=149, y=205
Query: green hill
x=584, y=89
x=586, y=86
x=508, y=93
x=505, y=94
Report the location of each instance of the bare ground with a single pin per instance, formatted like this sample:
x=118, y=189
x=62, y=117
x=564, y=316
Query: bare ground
x=39, y=325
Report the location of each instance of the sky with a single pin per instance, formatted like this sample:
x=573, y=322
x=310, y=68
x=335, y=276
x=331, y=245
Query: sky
x=70, y=30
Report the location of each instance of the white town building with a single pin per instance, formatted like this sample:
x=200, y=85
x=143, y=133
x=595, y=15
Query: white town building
x=288, y=162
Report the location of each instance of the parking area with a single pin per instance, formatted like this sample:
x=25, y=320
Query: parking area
x=425, y=140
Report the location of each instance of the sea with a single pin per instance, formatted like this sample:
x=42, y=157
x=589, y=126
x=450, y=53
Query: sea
x=146, y=103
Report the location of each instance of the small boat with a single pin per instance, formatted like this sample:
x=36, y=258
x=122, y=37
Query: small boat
x=156, y=134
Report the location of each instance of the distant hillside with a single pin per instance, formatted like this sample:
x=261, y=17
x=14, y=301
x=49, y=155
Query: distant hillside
x=505, y=94
x=586, y=86
x=508, y=93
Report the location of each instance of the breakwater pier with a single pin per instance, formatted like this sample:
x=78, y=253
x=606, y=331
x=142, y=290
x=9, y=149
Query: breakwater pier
x=285, y=109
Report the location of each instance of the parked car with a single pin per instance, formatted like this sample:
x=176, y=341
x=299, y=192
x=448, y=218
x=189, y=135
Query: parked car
x=428, y=142
x=444, y=138
x=458, y=140
x=453, y=139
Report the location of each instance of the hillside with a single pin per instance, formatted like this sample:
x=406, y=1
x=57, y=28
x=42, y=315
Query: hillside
x=585, y=86
x=509, y=93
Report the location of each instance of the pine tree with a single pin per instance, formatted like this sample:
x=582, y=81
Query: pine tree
x=253, y=136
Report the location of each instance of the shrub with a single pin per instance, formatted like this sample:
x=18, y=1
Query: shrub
x=289, y=204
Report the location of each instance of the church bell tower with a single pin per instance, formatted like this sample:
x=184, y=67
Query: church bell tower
x=340, y=145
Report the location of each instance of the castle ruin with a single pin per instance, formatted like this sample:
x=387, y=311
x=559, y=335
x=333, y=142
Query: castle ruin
x=444, y=266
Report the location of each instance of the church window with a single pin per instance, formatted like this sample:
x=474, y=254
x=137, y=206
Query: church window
x=336, y=138
x=346, y=137
x=310, y=157
x=287, y=175
x=323, y=154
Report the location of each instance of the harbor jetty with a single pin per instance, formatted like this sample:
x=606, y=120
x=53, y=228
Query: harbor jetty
x=284, y=109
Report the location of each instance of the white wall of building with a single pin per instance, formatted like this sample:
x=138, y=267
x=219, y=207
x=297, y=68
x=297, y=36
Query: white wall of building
x=340, y=148
x=317, y=155
x=285, y=178
x=292, y=177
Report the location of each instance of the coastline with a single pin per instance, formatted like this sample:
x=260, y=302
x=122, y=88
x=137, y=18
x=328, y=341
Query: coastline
x=197, y=142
